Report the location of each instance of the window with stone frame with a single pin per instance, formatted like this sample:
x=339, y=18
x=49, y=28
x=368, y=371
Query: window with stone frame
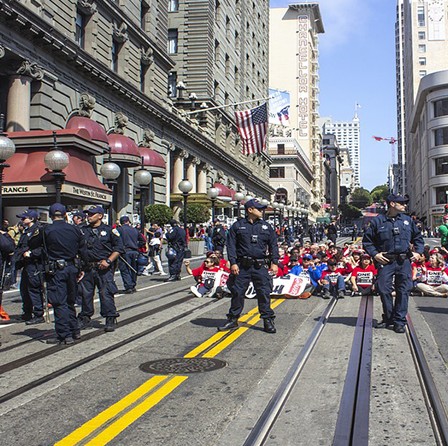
x=144, y=14
x=172, y=41
x=80, y=29
x=172, y=82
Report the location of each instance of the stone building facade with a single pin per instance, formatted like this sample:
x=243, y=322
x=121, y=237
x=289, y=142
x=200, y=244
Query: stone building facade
x=98, y=73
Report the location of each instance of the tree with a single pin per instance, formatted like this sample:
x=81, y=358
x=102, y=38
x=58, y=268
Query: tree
x=360, y=198
x=379, y=193
x=349, y=212
x=196, y=213
x=158, y=213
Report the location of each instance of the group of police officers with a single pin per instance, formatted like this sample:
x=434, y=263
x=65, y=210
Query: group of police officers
x=74, y=259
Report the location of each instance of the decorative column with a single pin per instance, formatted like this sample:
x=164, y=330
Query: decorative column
x=178, y=170
x=202, y=178
x=191, y=173
x=19, y=96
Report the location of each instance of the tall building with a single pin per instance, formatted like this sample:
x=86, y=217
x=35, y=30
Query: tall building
x=421, y=48
x=294, y=67
x=348, y=136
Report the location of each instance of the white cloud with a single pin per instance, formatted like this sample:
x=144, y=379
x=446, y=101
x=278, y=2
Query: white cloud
x=343, y=20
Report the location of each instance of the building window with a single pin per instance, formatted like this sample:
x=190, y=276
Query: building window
x=80, y=29
x=441, y=108
x=173, y=5
x=441, y=195
x=422, y=48
x=421, y=35
x=115, y=53
x=144, y=14
x=172, y=41
x=422, y=61
x=172, y=82
x=280, y=149
x=441, y=136
x=442, y=165
x=421, y=15
x=422, y=73
x=277, y=172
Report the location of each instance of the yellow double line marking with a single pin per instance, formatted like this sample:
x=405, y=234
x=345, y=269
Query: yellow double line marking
x=123, y=413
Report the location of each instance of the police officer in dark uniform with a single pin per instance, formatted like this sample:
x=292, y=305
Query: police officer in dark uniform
x=28, y=255
x=394, y=240
x=219, y=237
x=104, y=246
x=248, y=242
x=130, y=237
x=65, y=246
x=176, y=238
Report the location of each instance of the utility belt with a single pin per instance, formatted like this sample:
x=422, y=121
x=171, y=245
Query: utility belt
x=247, y=262
x=397, y=257
x=51, y=266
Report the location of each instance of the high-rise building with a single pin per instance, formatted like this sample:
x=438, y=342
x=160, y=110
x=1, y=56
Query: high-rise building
x=348, y=136
x=294, y=67
x=421, y=48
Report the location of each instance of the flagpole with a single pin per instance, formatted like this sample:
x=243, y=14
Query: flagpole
x=228, y=105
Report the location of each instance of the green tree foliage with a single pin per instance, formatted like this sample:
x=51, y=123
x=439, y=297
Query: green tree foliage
x=158, y=213
x=360, y=198
x=349, y=212
x=379, y=193
x=196, y=213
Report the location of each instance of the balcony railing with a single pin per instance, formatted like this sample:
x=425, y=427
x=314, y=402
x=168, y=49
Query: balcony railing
x=292, y=151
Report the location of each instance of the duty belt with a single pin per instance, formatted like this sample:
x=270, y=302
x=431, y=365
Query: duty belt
x=247, y=262
x=393, y=256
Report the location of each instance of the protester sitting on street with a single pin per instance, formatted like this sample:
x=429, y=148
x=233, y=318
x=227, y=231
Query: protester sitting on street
x=332, y=281
x=363, y=277
x=205, y=275
x=308, y=271
x=435, y=282
x=223, y=263
x=355, y=258
x=418, y=271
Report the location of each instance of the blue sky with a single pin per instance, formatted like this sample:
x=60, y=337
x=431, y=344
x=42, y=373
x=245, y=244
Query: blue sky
x=357, y=65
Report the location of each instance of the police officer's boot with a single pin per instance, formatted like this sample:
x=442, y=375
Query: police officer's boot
x=172, y=278
x=84, y=322
x=232, y=324
x=111, y=322
x=269, y=326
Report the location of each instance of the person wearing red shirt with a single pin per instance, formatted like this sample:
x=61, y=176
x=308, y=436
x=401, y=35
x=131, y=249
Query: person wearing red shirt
x=205, y=274
x=332, y=281
x=363, y=277
x=435, y=281
x=418, y=271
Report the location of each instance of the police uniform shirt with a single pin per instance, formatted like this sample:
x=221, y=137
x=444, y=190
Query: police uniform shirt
x=392, y=235
x=102, y=241
x=176, y=237
x=129, y=236
x=32, y=240
x=252, y=240
x=63, y=241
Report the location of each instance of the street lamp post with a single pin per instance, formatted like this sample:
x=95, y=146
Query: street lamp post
x=264, y=202
x=7, y=149
x=238, y=197
x=281, y=206
x=143, y=178
x=56, y=160
x=185, y=187
x=110, y=172
x=275, y=206
x=213, y=193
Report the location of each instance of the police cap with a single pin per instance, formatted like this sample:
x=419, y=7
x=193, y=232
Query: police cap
x=78, y=214
x=124, y=219
x=29, y=213
x=254, y=203
x=57, y=209
x=396, y=199
x=95, y=210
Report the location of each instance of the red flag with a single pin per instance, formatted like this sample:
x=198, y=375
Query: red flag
x=253, y=127
x=377, y=138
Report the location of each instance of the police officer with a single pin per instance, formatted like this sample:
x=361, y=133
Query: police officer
x=388, y=240
x=64, y=245
x=176, y=238
x=104, y=246
x=28, y=255
x=78, y=218
x=131, y=238
x=247, y=243
x=219, y=237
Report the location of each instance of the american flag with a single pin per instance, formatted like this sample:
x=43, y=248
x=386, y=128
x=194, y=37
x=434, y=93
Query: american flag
x=253, y=127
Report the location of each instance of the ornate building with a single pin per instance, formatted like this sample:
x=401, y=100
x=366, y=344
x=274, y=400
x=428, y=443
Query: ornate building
x=98, y=74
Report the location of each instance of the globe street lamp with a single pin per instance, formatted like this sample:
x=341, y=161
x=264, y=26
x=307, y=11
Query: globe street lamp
x=185, y=187
x=213, y=193
x=238, y=197
x=56, y=161
x=143, y=178
x=7, y=149
x=110, y=172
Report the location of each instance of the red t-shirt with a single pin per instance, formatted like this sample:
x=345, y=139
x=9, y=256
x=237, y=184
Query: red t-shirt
x=435, y=276
x=421, y=270
x=332, y=276
x=202, y=272
x=364, y=276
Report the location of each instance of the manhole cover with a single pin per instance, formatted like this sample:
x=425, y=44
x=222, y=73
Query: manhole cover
x=182, y=365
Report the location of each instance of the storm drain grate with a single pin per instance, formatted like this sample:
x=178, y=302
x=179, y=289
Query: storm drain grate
x=182, y=365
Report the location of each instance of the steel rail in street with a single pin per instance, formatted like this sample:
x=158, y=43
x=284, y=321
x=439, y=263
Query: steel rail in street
x=263, y=426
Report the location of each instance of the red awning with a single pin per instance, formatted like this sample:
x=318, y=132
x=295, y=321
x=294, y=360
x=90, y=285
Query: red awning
x=29, y=167
x=224, y=191
x=153, y=161
x=124, y=150
x=96, y=131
